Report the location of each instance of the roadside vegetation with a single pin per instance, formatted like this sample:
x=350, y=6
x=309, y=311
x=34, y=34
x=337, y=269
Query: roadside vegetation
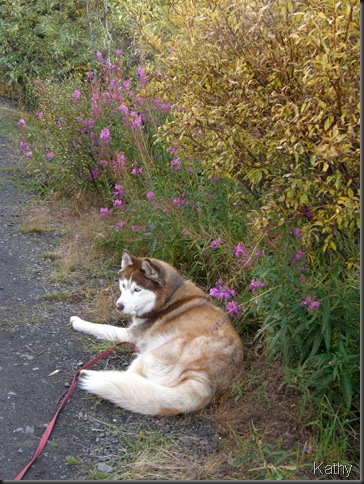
x=222, y=137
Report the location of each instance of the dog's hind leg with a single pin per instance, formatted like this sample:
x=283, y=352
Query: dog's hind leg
x=133, y=392
x=101, y=331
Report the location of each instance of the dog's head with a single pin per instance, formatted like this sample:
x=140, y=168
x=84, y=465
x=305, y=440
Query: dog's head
x=144, y=284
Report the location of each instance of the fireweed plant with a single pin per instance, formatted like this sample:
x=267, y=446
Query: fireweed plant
x=100, y=139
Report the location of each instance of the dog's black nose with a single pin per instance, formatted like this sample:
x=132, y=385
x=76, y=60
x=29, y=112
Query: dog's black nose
x=119, y=306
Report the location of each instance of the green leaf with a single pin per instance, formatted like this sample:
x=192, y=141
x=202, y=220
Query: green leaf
x=326, y=326
x=346, y=388
x=316, y=345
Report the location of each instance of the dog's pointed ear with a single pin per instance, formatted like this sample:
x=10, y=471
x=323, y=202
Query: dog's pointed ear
x=150, y=270
x=126, y=259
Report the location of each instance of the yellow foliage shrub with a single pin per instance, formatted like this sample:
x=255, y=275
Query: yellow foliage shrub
x=266, y=93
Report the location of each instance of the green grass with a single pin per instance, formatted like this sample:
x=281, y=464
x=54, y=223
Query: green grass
x=336, y=437
x=56, y=296
x=267, y=461
x=9, y=117
x=72, y=460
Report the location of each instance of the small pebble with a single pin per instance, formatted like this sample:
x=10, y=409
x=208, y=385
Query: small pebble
x=104, y=468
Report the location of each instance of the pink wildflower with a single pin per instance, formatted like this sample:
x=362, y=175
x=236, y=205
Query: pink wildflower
x=310, y=303
x=104, y=212
x=75, y=95
x=95, y=109
x=175, y=164
x=135, y=171
x=150, y=196
x=120, y=159
x=172, y=149
x=127, y=84
x=50, y=154
x=106, y=96
x=297, y=232
x=299, y=255
x=119, y=191
x=232, y=308
x=159, y=106
x=21, y=122
x=94, y=173
x=179, y=202
x=254, y=284
x=117, y=203
x=123, y=109
x=221, y=292
x=137, y=122
x=141, y=75
x=90, y=123
x=216, y=243
x=120, y=225
x=28, y=154
x=105, y=135
x=240, y=251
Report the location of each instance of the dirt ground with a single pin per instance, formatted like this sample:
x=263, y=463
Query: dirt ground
x=37, y=357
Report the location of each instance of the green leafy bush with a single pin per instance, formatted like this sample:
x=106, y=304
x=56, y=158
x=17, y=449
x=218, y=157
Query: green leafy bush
x=267, y=93
x=42, y=39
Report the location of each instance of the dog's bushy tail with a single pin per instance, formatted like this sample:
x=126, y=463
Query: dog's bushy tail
x=135, y=393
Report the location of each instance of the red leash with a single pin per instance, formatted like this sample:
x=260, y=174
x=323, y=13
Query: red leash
x=50, y=426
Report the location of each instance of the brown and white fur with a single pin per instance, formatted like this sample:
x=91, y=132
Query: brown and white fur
x=188, y=347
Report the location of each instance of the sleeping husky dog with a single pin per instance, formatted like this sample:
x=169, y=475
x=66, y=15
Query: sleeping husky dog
x=188, y=349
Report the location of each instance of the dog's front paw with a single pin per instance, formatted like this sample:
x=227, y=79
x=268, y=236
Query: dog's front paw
x=74, y=322
x=87, y=380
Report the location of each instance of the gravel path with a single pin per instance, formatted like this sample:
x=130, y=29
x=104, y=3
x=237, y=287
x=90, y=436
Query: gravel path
x=39, y=355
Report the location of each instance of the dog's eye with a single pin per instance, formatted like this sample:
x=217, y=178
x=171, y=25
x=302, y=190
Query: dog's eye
x=137, y=289
x=123, y=285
